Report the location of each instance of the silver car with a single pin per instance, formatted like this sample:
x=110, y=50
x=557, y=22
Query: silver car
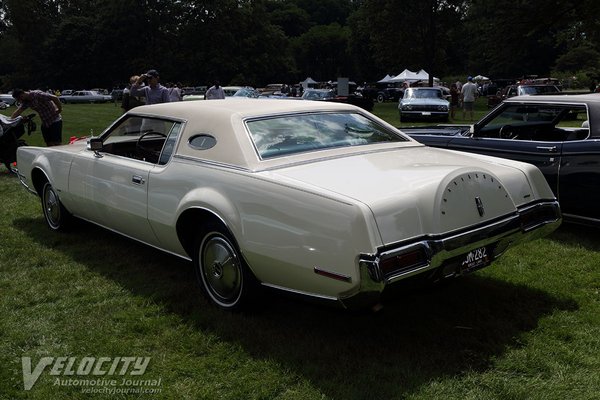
x=85, y=96
x=423, y=103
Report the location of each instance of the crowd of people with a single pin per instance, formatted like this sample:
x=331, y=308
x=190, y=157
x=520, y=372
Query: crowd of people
x=148, y=87
x=49, y=108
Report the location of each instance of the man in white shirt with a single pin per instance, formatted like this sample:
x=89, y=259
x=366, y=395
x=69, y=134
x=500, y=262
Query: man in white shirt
x=468, y=93
x=215, y=92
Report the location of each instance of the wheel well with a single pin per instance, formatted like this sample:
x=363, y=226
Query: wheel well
x=193, y=222
x=38, y=178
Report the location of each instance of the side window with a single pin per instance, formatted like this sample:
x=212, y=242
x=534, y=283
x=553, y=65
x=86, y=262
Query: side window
x=538, y=122
x=573, y=117
x=146, y=139
x=169, y=146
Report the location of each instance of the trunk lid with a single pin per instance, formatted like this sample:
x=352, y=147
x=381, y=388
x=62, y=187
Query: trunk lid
x=416, y=191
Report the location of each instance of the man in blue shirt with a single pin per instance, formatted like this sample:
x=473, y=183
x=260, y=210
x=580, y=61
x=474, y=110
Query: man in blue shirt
x=153, y=91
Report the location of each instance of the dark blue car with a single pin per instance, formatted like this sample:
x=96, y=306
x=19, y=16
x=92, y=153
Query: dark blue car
x=559, y=134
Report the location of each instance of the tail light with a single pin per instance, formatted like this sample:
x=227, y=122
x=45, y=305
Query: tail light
x=403, y=262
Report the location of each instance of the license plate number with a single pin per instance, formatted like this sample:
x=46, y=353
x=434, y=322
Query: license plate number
x=476, y=259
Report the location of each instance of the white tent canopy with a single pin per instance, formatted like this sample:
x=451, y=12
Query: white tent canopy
x=307, y=82
x=410, y=76
x=386, y=79
x=405, y=75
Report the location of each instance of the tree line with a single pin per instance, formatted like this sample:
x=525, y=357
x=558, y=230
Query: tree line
x=100, y=43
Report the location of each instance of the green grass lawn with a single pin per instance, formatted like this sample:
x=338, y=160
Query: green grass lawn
x=389, y=112
x=78, y=120
x=527, y=327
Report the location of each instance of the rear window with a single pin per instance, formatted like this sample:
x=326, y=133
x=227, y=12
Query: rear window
x=291, y=134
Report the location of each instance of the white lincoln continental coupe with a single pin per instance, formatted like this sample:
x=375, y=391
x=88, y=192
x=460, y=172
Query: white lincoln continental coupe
x=315, y=198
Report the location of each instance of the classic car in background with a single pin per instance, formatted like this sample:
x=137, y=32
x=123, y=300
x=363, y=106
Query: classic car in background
x=330, y=95
x=521, y=90
x=230, y=91
x=381, y=93
x=85, y=96
x=271, y=89
x=8, y=99
x=559, y=134
x=318, y=94
x=315, y=198
x=420, y=103
x=247, y=91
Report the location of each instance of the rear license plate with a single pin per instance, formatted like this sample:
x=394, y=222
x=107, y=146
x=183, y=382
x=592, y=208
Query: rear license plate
x=425, y=113
x=475, y=259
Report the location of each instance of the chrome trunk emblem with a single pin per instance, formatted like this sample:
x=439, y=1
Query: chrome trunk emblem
x=479, y=204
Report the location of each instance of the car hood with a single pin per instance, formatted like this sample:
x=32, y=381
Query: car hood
x=415, y=191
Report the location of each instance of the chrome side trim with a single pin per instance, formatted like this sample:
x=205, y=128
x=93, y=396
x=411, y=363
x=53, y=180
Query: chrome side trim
x=23, y=180
x=301, y=292
x=209, y=162
x=582, y=220
x=332, y=275
x=137, y=240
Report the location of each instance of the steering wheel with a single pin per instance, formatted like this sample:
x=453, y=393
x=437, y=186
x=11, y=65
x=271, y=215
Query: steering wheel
x=508, y=132
x=149, y=152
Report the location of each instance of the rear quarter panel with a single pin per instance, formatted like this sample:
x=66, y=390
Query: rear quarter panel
x=282, y=231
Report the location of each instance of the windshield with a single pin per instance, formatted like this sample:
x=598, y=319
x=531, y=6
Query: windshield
x=317, y=94
x=537, y=89
x=423, y=94
x=278, y=136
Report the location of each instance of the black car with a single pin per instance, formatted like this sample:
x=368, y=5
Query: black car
x=522, y=90
x=559, y=134
x=381, y=94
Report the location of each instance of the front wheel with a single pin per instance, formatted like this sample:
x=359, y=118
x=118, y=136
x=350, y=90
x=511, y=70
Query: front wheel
x=56, y=215
x=380, y=98
x=221, y=270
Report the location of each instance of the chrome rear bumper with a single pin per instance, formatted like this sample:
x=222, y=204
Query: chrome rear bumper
x=438, y=253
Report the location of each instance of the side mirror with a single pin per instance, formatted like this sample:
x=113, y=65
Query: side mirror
x=95, y=145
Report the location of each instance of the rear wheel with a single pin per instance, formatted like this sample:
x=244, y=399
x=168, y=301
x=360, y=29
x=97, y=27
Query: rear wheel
x=56, y=215
x=221, y=271
x=380, y=98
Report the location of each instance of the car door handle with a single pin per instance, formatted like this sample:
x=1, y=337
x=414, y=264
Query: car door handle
x=138, y=180
x=551, y=149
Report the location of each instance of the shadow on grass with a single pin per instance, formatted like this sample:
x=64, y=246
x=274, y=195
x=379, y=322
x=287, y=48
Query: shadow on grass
x=577, y=235
x=419, y=336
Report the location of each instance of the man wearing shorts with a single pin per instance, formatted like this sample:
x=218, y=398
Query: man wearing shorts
x=468, y=92
x=48, y=107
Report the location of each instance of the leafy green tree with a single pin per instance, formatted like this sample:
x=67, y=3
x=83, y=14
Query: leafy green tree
x=322, y=52
x=293, y=20
x=326, y=12
x=412, y=34
x=511, y=39
x=27, y=27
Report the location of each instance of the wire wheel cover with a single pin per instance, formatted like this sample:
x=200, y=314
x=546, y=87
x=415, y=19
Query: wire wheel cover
x=221, y=270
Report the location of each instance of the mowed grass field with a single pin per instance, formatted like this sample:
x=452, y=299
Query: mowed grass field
x=527, y=327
